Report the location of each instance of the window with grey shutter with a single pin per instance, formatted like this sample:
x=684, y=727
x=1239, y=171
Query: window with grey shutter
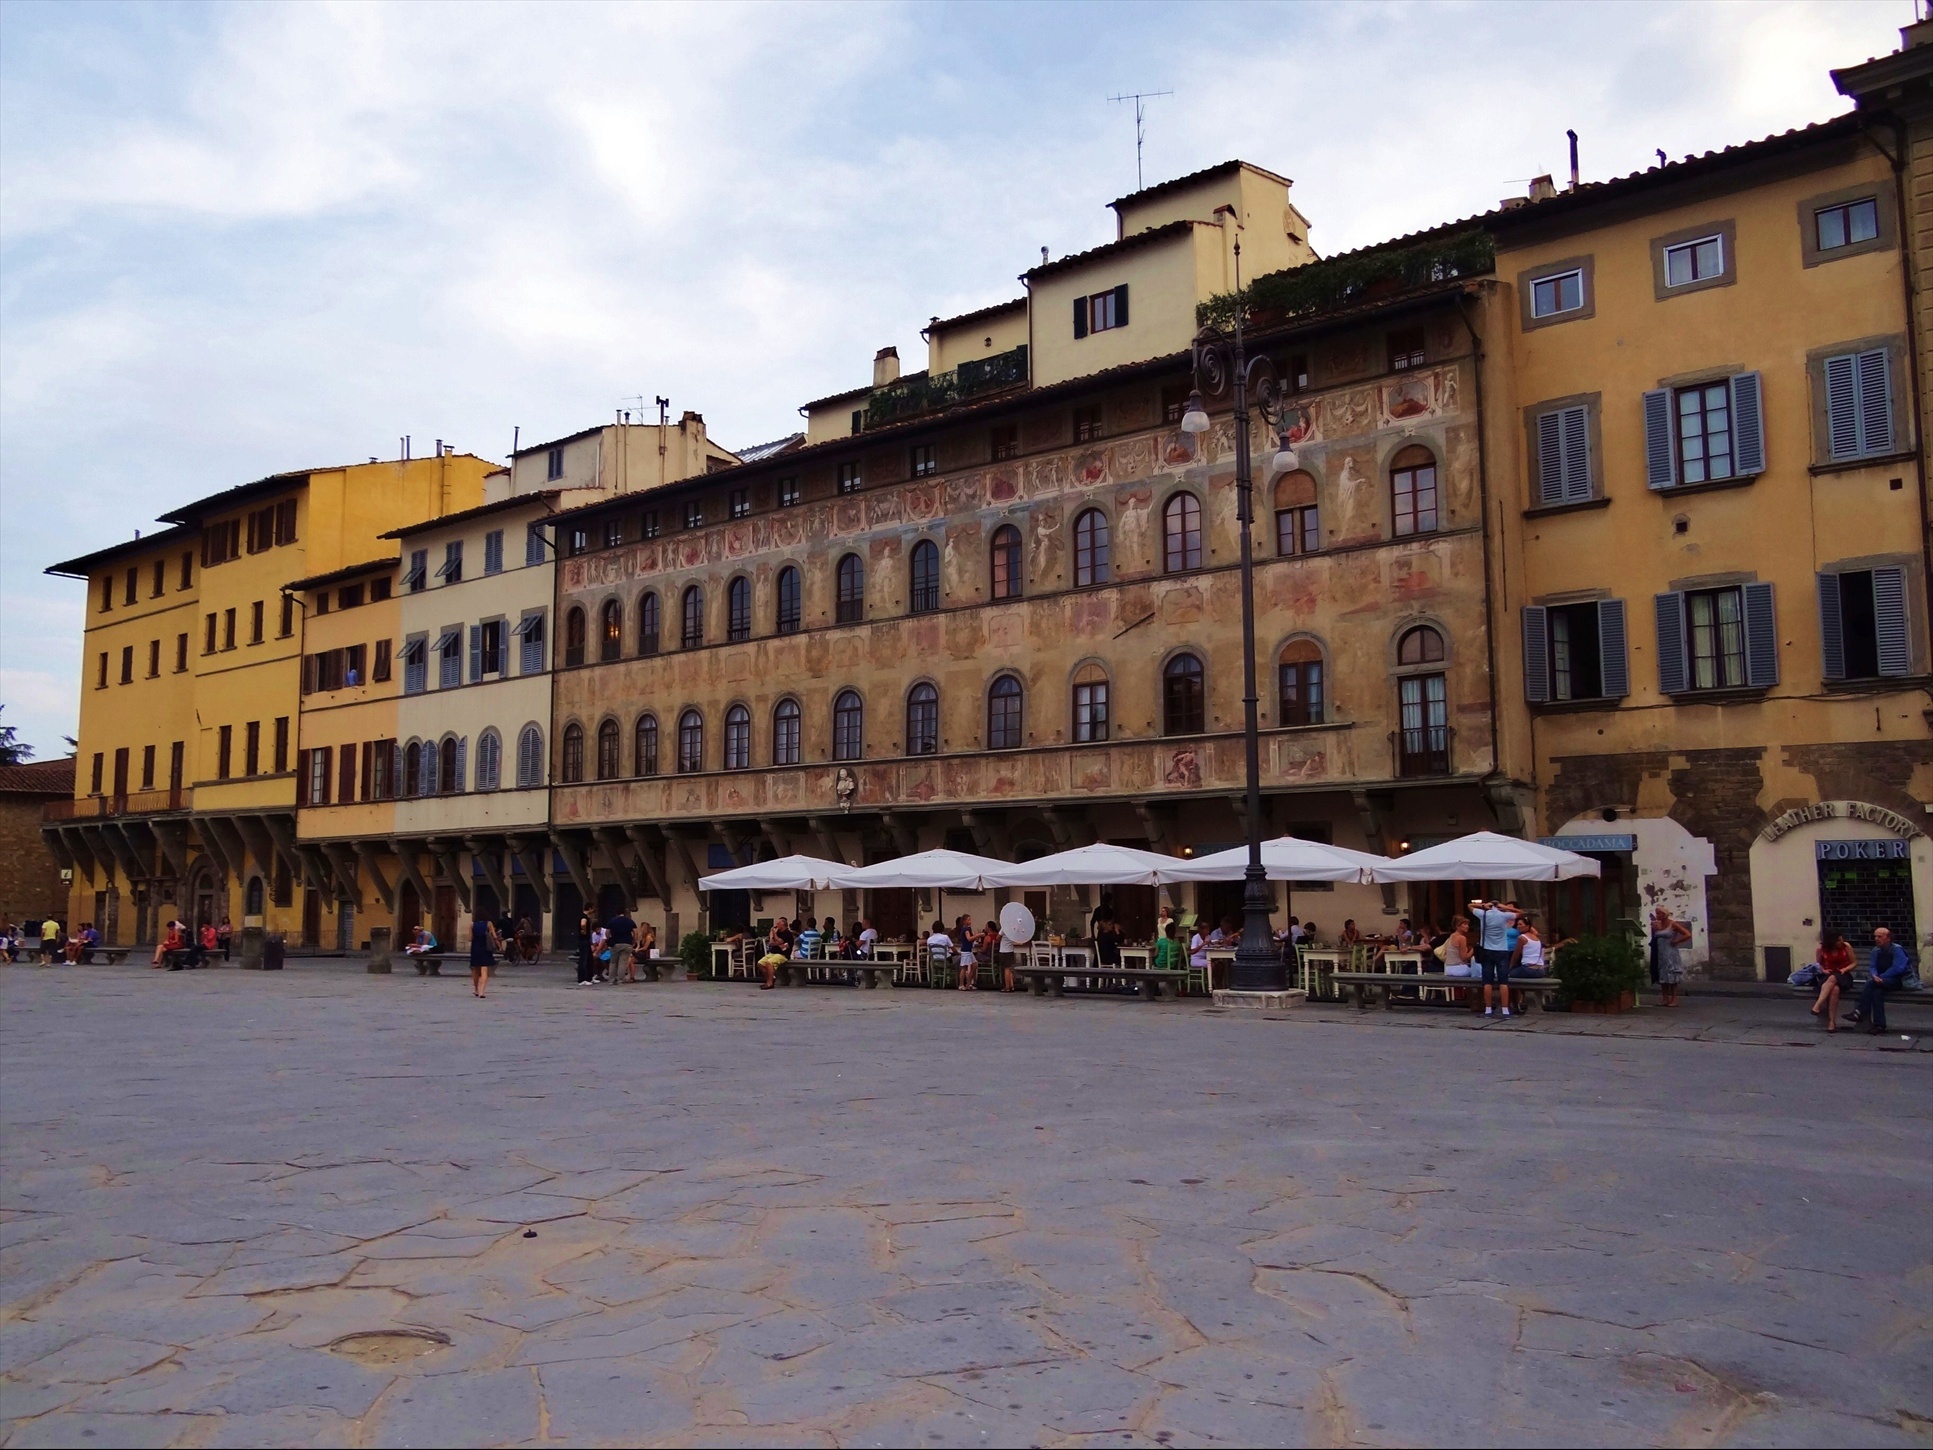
x=1613, y=650
x=416, y=667
x=1672, y=679
x=1761, y=637
x=1121, y=305
x=460, y=774
x=1564, y=455
x=1889, y=621
x=1859, y=404
x=1537, y=648
x=1748, y=426
x=449, y=659
x=1832, y=637
x=493, y=552
x=534, y=545
x=530, y=629
x=1659, y=469
x=1080, y=317
x=476, y=653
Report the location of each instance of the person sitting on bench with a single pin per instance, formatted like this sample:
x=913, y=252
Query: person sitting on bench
x=1888, y=972
x=423, y=941
x=1834, y=959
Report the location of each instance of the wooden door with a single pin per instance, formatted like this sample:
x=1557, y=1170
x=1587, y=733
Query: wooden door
x=443, y=918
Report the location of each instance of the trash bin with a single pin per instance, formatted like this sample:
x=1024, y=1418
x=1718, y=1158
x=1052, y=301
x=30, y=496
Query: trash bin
x=272, y=951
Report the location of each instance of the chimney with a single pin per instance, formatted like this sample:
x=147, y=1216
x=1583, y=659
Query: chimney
x=1573, y=136
x=885, y=366
x=693, y=422
x=1542, y=188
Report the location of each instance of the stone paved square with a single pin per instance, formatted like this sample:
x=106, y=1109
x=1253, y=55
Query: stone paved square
x=323, y=1208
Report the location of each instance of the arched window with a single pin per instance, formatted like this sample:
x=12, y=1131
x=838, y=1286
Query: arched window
x=1003, y=714
x=791, y=605
x=607, y=750
x=926, y=576
x=785, y=733
x=489, y=760
x=1298, y=525
x=530, y=756
x=1412, y=491
x=412, y=770
x=693, y=632
x=573, y=764
x=648, y=623
x=848, y=726
x=738, y=738
x=1091, y=713
x=1181, y=533
x=448, y=767
x=852, y=590
x=252, y=898
x=644, y=745
x=1006, y=562
x=1299, y=679
x=691, y=742
x=1184, y=706
x=1420, y=646
x=610, y=634
x=738, y=609
x=1092, y=564
x=574, y=637
x=923, y=720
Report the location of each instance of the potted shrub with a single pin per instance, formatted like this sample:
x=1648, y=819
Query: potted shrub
x=695, y=952
x=1599, y=974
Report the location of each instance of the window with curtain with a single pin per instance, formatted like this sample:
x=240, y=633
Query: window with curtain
x=1184, y=699
x=790, y=600
x=1091, y=716
x=691, y=742
x=648, y=623
x=738, y=738
x=1423, y=716
x=1299, y=684
x=1006, y=562
x=848, y=726
x=1004, y=700
x=1181, y=533
x=923, y=720
x=610, y=635
x=573, y=765
x=738, y=609
x=1412, y=491
x=785, y=733
x=926, y=577
x=607, y=750
x=645, y=745
x=574, y=637
x=693, y=633
x=851, y=590
x=1091, y=561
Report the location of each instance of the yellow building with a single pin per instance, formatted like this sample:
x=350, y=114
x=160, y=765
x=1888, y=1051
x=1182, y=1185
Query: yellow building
x=203, y=673
x=1712, y=541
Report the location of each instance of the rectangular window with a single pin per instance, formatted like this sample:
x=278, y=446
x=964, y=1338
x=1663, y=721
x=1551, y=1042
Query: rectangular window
x=490, y=644
x=613, y=532
x=1563, y=440
x=652, y=527
x=1863, y=624
x=1716, y=620
x=1006, y=441
x=121, y=773
x=318, y=761
x=533, y=545
x=1700, y=260
x=127, y=664
x=577, y=541
x=452, y=570
x=187, y=570
x=379, y=672
x=554, y=465
x=133, y=590
x=345, y=772
x=1297, y=531
x=416, y=668
x=147, y=767
x=100, y=762
x=228, y=629
x=1296, y=379
x=208, y=644
x=1847, y=224
x=694, y=514
x=107, y=593
x=925, y=462
x=1550, y=296
x=261, y=530
x=858, y=419
x=255, y=622
x=418, y=577
x=154, y=658
x=355, y=665
x=530, y=629
x=160, y=581
x=1090, y=712
x=1174, y=402
x=741, y=503
x=285, y=521
x=1704, y=433
x=493, y=552
x=288, y=617
x=177, y=764
x=379, y=589
x=449, y=659
x=220, y=543
x=181, y=653
x=100, y=674
x=1300, y=693
x=381, y=756
x=349, y=597
x=1087, y=425
x=788, y=492
x=281, y=744
x=252, y=748
x=849, y=478
x=1406, y=350
x=1859, y=404
x=224, y=752
x=1423, y=736
x=1101, y=312
x=322, y=601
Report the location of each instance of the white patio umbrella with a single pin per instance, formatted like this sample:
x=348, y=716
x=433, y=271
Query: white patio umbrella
x=935, y=870
x=1096, y=865
x=1487, y=856
x=787, y=873
x=1285, y=858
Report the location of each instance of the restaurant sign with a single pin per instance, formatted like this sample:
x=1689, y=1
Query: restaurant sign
x=1611, y=844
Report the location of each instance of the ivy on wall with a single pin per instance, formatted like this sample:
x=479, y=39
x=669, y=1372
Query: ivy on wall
x=1355, y=277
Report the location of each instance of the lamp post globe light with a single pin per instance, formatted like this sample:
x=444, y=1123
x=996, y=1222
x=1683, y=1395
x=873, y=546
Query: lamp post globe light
x=1221, y=364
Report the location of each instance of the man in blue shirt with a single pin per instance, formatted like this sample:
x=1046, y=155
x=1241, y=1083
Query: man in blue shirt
x=1493, y=924
x=1888, y=970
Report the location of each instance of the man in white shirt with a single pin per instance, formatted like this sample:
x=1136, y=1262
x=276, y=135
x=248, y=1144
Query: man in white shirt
x=868, y=938
x=1492, y=924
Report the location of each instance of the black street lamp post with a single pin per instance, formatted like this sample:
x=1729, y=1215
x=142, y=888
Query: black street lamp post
x=1221, y=363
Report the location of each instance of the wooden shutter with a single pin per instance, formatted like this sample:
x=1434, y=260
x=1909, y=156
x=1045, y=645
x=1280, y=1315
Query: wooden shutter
x=455, y=782
x=1613, y=649
x=1761, y=636
x=476, y=653
x=1889, y=619
x=1576, y=424
x=1080, y=317
x=368, y=767
x=1842, y=406
x=1660, y=471
x=346, y=774
x=1673, y=678
x=1748, y=426
x=1537, y=647
x=1875, y=381
x=1550, y=458
x=301, y=777
x=1121, y=305
x=1832, y=636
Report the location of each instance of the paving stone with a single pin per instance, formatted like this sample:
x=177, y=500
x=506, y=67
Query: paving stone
x=97, y=1359
x=614, y=1399
x=301, y=1379
x=494, y=1407
x=62, y=1431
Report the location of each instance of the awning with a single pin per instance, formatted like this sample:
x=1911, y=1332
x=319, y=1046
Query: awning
x=787, y=873
x=1286, y=858
x=1098, y=865
x=942, y=870
x=1487, y=856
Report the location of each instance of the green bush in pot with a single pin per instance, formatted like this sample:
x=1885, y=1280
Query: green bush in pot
x=1598, y=969
x=695, y=952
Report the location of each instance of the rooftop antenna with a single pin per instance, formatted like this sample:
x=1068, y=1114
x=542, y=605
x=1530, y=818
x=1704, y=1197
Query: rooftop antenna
x=1140, y=131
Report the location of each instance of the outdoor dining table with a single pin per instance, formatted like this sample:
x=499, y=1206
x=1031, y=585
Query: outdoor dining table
x=1221, y=962
x=1317, y=964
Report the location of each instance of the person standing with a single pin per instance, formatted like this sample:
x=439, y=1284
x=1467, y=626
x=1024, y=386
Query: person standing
x=1493, y=923
x=1107, y=941
x=623, y=937
x=1835, y=963
x=586, y=962
x=1668, y=937
x=868, y=938
x=1887, y=972
x=225, y=934
x=49, y=941
x=485, y=943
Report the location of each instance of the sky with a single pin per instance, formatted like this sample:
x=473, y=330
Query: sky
x=236, y=240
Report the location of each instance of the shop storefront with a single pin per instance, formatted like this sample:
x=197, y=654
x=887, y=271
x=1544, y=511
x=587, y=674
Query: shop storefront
x=1846, y=866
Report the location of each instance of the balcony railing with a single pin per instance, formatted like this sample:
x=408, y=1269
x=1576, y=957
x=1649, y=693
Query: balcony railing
x=1423, y=751
x=929, y=393
x=100, y=807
